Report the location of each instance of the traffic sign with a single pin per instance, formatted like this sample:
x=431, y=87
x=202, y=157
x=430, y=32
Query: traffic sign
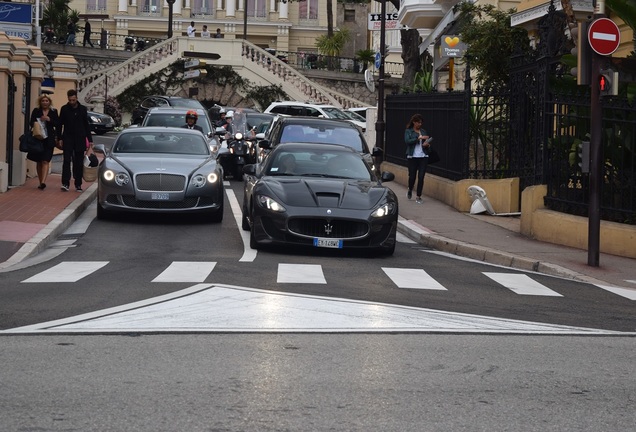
x=604, y=36
x=194, y=73
x=377, y=60
x=193, y=63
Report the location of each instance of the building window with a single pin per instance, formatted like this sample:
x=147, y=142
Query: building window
x=308, y=9
x=151, y=7
x=260, y=8
x=350, y=15
x=202, y=7
x=95, y=5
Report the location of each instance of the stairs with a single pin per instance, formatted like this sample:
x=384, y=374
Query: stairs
x=247, y=59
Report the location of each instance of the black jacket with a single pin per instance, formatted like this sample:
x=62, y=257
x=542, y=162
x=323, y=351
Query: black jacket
x=73, y=127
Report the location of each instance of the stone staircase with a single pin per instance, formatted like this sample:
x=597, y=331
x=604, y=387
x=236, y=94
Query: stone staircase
x=247, y=59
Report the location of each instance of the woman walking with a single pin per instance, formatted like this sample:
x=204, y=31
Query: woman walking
x=416, y=146
x=48, y=115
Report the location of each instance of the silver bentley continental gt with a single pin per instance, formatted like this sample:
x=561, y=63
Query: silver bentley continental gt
x=160, y=170
x=319, y=195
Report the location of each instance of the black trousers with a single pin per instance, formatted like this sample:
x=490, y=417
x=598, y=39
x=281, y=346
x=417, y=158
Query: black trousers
x=417, y=169
x=73, y=157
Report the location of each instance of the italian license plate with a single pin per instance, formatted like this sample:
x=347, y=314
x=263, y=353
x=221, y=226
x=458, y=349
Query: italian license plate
x=159, y=196
x=328, y=243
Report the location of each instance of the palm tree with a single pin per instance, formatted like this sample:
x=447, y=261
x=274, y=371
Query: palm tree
x=55, y=15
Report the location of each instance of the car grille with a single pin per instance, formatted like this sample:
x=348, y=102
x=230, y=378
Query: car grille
x=131, y=201
x=328, y=228
x=160, y=182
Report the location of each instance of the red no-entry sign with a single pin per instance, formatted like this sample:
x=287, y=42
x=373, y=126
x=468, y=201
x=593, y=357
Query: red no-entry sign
x=604, y=36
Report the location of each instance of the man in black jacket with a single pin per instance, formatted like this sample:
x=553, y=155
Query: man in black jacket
x=74, y=138
x=87, y=33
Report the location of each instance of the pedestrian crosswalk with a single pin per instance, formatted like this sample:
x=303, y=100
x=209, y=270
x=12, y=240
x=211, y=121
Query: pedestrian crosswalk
x=293, y=273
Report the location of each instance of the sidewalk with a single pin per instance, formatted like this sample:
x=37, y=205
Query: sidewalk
x=30, y=219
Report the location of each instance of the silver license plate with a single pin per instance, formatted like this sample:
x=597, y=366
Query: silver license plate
x=159, y=196
x=328, y=243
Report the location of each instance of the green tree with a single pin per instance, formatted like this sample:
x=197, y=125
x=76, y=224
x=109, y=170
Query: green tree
x=366, y=56
x=491, y=41
x=56, y=14
x=625, y=10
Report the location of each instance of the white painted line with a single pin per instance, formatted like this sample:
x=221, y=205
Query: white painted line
x=623, y=292
x=186, y=271
x=67, y=271
x=604, y=36
x=300, y=273
x=412, y=278
x=522, y=284
x=226, y=308
x=249, y=254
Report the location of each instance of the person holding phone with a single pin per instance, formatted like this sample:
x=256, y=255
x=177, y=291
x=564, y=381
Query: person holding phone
x=417, y=143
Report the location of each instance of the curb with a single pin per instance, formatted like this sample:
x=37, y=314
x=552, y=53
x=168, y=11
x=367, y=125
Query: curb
x=53, y=229
x=427, y=238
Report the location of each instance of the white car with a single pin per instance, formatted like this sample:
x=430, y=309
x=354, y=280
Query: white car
x=294, y=108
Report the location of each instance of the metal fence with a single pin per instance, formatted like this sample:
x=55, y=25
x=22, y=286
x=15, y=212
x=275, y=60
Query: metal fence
x=568, y=172
x=477, y=137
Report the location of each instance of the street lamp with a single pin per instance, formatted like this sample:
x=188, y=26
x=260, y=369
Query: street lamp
x=379, y=124
x=245, y=20
x=170, y=4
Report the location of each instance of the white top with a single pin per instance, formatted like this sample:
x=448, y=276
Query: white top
x=191, y=30
x=205, y=34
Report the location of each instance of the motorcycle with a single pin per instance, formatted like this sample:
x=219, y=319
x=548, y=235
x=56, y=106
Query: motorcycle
x=129, y=42
x=238, y=150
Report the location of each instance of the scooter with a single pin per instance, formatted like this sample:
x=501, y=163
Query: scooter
x=129, y=42
x=236, y=153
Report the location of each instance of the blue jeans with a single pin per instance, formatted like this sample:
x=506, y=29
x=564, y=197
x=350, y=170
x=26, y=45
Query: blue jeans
x=70, y=39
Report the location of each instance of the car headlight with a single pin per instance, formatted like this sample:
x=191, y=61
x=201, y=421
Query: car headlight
x=95, y=119
x=198, y=180
x=213, y=177
x=120, y=178
x=270, y=204
x=384, y=210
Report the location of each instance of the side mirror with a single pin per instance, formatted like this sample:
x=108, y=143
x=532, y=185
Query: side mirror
x=387, y=176
x=377, y=152
x=99, y=148
x=249, y=169
x=264, y=144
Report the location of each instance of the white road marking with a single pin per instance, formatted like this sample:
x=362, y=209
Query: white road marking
x=225, y=308
x=522, y=284
x=401, y=238
x=623, y=292
x=249, y=254
x=67, y=271
x=412, y=278
x=300, y=273
x=186, y=271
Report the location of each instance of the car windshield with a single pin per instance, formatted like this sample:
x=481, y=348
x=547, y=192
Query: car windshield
x=332, y=134
x=336, y=113
x=328, y=164
x=186, y=103
x=354, y=116
x=173, y=120
x=170, y=141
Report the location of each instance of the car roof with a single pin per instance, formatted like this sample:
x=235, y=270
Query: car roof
x=175, y=109
x=308, y=120
x=158, y=130
x=314, y=146
x=311, y=104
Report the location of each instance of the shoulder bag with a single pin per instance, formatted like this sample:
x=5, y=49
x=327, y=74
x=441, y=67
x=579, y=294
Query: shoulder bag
x=29, y=144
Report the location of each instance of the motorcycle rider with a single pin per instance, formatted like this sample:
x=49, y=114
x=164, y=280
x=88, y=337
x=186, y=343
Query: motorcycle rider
x=229, y=116
x=191, y=118
x=221, y=121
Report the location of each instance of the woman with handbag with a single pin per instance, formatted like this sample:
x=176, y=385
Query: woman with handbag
x=44, y=115
x=417, y=146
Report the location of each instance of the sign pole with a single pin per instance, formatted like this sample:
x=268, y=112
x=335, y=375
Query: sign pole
x=379, y=124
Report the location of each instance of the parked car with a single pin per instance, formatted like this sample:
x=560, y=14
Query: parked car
x=361, y=111
x=139, y=113
x=312, y=110
x=158, y=169
x=318, y=195
x=100, y=123
x=317, y=130
x=175, y=117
